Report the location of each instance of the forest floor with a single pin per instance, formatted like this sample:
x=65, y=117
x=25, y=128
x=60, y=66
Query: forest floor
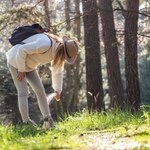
x=112, y=141
x=83, y=131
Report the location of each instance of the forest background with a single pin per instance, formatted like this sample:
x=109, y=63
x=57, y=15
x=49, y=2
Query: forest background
x=112, y=69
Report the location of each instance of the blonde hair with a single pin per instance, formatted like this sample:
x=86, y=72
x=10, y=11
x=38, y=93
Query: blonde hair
x=60, y=53
x=59, y=57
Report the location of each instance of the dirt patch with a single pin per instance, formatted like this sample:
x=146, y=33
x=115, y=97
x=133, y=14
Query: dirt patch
x=110, y=141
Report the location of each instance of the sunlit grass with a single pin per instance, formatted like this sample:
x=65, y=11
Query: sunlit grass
x=101, y=121
x=67, y=133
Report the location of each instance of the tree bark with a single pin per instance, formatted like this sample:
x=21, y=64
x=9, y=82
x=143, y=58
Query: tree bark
x=77, y=23
x=47, y=16
x=12, y=1
x=93, y=60
x=131, y=67
x=111, y=53
x=67, y=14
x=76, y=70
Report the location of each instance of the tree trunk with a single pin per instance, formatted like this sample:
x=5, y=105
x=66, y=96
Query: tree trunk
x=111, y=53
x=67, y=14
x=76, y=85
x=77, y=23
x=47, y=16
x=12, y=1
x=92, y=52
x=131, y=67
x=69, y=86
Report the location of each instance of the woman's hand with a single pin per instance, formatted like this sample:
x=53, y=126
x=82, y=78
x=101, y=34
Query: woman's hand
x=57, y=96
x=21, y=76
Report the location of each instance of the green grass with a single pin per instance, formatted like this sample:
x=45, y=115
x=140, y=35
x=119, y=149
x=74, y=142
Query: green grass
x=68, y=132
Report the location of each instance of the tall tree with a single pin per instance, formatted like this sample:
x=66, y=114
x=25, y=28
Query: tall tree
x=46, y=16
x=68, y=88
x=92, y=52
x=111, y=53
x=77, y=25
x=12, y=1
x=67, y=14
x=76, y=71
x=131, y=67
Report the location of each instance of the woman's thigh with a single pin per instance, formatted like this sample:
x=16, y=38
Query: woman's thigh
x=35, y=81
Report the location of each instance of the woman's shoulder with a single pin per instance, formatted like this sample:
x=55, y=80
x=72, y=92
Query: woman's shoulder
x=40, y=35
x=36, y=37
x=54, y=37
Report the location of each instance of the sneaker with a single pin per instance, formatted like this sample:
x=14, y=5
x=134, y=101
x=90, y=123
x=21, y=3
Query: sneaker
x=30, y=122
x=48, y=123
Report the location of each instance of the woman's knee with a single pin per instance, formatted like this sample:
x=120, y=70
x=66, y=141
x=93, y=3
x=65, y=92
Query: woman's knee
x=40, y=91
x=23, y=93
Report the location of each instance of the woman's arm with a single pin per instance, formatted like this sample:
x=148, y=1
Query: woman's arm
x=57, y=80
